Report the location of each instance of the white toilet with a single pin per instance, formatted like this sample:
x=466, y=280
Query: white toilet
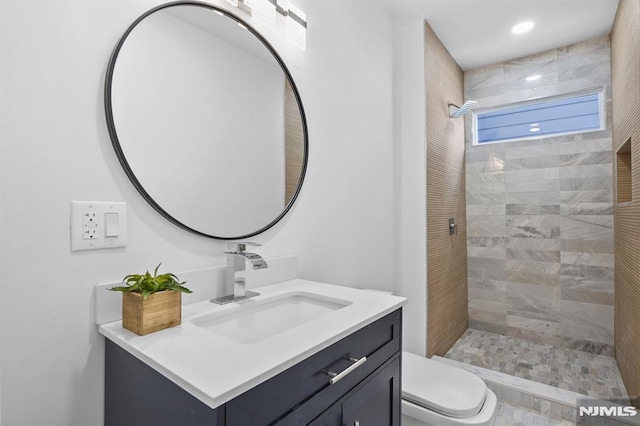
x=437, y=394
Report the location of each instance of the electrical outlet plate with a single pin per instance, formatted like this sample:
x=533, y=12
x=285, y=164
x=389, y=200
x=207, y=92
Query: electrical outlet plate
x=97, y=225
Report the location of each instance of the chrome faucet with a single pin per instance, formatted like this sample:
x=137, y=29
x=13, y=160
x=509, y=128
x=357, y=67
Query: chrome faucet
x=235, y=284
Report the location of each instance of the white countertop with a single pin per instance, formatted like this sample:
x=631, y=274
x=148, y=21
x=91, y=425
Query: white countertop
x=215, y=369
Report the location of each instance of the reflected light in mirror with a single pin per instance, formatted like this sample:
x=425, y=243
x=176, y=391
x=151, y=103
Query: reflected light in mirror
x=296, y=26
x=523, y=27
x=264, y=11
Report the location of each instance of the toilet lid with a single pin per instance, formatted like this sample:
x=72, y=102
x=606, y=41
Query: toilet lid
x=439, y=387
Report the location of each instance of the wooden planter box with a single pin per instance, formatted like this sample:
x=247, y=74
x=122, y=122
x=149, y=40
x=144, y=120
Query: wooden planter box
x=159, y=311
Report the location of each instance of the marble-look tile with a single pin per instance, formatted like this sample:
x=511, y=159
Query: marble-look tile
x=592, y=348
x=482, y=263
x=586, y=321
x=548, y=77
x=538, y=58
x=579, y=289
x=586, y=209
x=480, y=229
x=518, y=71
x=487, y=198
x=533, y=185
x=529, y=163
x=480, y=283
x=537, y=255
x=586, y=246
x=487, y=252
x=543, y=198
x=546, y=244
x=543, y=308
x=486, y=210
x=548, y=144
x=487, y=70
x=486, y=220
x=594, y=56
x=586, y=227
x=479, y=271
x=485, y=153
x=531, y=324
x=556, y=195
x=486, y=241
x=536, y=278
x=484, y=79
x=585, y=47
x=587, y=171
x=490, y=165
x=532, y=209
x=586, y=184
x=585, y=142
x=584, y=71
x=532, y=290
x=496, y=296
x=594, y=273
x=585, y=158
x=546, y=367
x=488, y=311
x=585, y=258
x=538, y=149
x=532, y=175
x=486, y=91
x=538, y=336
x=491, y=327
x=479, y=183
x=533, y=226
x=579, y=197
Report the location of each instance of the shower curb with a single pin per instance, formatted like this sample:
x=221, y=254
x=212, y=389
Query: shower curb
x=556, y=403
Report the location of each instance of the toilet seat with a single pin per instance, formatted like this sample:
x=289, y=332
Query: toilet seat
x=441, y=388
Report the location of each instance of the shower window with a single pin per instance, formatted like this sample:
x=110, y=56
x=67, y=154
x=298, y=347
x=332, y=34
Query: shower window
x=542, y=118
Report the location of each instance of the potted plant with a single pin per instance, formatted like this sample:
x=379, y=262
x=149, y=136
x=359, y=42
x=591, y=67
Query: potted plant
x=151, y=302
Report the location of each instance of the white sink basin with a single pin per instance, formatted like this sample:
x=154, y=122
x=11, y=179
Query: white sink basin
x=254, y=320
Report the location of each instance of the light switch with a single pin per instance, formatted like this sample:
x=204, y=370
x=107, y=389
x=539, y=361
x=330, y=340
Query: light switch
x=112, y=224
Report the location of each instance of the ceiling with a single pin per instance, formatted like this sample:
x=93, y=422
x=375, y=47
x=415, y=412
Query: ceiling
x=478, y=32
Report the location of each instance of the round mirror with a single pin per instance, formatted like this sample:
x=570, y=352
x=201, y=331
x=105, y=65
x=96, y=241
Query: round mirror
x=206, y=120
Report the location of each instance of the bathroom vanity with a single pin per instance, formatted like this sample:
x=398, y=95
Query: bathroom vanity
x=301, y=353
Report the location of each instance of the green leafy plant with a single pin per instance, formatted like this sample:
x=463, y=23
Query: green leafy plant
x=147, y=284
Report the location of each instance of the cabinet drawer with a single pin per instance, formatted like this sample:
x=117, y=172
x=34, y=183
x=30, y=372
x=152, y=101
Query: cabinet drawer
x=375, y=401
x=282, y=394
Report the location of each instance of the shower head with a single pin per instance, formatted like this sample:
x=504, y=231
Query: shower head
x=459, y=111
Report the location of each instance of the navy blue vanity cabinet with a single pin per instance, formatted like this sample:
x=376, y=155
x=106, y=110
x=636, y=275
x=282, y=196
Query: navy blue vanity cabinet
x=374, y=402
x=137, y=395
x=300, y=395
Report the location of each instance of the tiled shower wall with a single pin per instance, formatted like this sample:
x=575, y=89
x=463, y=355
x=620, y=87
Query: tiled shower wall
x=540, y=212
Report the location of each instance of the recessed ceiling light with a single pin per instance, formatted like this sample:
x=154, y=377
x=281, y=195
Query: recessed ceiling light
x=523, y=27
x=534, y=77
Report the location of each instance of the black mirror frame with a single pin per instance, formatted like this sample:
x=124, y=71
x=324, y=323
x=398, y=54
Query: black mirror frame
x=116, y=142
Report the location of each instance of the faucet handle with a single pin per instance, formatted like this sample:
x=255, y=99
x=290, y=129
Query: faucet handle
x=241, y=247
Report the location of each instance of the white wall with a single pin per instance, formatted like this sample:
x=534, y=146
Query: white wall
x=55, y=148
x=411, y=181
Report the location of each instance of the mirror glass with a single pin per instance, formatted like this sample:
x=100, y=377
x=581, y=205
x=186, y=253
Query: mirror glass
x=206, y=121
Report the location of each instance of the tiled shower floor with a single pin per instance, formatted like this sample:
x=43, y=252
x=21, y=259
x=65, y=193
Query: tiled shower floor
x=593, y=375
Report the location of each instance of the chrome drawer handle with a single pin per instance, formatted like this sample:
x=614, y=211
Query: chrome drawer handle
x=336, y=377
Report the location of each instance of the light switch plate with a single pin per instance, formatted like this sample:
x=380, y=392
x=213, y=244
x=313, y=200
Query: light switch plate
x=88, y=225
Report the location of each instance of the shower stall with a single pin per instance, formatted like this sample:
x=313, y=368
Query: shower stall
x=538, y=227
